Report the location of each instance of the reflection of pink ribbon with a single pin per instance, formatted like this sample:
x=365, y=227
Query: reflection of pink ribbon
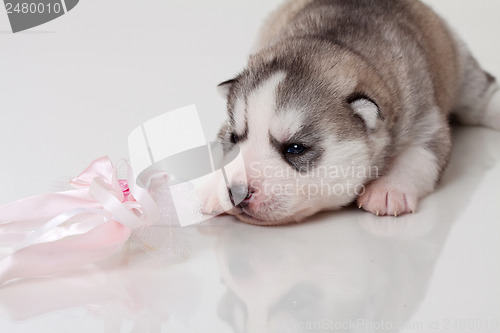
x=55, y=232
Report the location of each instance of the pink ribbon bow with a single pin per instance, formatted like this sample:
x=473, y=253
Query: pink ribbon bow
x=56, y=232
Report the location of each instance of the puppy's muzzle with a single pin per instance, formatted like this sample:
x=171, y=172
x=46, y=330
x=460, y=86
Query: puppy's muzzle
x=240, y=195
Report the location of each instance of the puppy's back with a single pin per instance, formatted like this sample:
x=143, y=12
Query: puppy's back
x=404, y=40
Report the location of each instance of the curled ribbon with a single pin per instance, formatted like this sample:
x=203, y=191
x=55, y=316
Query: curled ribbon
x=56, y=232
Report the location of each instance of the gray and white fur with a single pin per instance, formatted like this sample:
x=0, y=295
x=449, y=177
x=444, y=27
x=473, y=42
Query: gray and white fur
x=345, y=101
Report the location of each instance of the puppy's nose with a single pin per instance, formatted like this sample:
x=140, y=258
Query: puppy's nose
x=240, y=195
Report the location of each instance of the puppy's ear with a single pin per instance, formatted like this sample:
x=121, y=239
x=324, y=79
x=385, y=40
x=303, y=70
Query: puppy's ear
x=224, y=87
x=367, y=110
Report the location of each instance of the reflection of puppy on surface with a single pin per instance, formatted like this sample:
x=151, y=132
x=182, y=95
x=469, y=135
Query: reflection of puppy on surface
x=319, y=277
x=324, y=274
x=350, y=85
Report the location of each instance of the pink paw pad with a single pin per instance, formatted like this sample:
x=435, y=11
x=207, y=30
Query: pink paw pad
x=380, y=198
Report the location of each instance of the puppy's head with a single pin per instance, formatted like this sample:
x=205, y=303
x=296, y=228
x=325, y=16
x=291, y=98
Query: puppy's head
x=311, y=129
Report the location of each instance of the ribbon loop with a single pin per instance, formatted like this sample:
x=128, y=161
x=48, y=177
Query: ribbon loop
x=81, y=225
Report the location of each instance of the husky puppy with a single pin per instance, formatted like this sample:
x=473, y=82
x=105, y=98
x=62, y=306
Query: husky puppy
x=349, y=100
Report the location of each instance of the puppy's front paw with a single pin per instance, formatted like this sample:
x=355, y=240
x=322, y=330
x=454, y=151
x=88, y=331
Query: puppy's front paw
x=212, y=194
x=210, y=203
x=382, y=198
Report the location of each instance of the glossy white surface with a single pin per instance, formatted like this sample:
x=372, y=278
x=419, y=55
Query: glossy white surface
x=72, y=90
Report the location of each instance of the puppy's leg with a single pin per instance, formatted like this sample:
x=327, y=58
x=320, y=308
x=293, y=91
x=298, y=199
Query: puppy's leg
x=478, y=99
x=413, y=174
x=213, y=195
